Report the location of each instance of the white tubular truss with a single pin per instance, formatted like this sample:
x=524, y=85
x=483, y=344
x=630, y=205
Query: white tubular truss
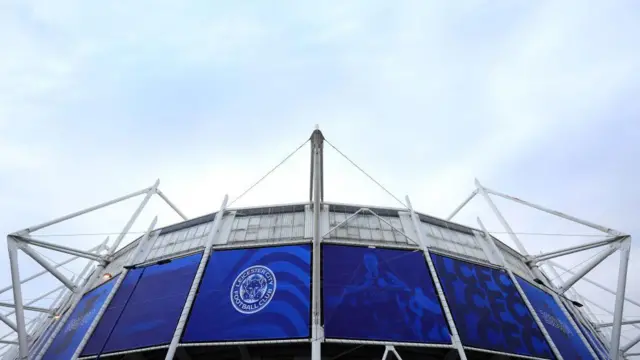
x=317, y=231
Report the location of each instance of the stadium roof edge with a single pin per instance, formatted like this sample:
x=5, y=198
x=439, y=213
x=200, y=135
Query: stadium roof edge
x=297, y=207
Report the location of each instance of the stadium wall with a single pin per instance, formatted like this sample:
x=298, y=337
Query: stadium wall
x=376, y=288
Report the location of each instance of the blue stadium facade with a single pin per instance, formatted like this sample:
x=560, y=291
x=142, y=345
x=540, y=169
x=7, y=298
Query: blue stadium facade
x=318, y=280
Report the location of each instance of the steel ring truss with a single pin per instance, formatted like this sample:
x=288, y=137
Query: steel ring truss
x=71, y=290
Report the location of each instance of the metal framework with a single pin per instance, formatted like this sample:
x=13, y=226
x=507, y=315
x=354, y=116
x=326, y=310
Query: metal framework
x=617, y=241
x=102, y=255
x=22, y=240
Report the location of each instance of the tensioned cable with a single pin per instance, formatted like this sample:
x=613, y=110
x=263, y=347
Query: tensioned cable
x=549, y=234
x=269, y=173
x=50, y=259
x=87, y=234
x=365, y=173
x=29, y=299
x=578, y=264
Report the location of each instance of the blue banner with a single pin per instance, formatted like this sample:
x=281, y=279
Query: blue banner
x=488, y=310
x=564, y=336
x=594, y=341
x=380, y=294
x=253, y=294
x=111, y=315
x=76, y=326
x=151, y=314
x=35, y=348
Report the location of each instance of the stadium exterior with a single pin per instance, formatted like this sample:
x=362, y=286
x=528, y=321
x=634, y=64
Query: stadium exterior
x=315, y=280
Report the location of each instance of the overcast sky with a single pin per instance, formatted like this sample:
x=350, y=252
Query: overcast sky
x=536, y=99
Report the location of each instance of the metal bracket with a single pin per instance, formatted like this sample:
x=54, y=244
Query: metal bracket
x=390, y=349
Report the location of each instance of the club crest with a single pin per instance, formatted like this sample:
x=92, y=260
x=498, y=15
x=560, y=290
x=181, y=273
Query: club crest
x=253, y=289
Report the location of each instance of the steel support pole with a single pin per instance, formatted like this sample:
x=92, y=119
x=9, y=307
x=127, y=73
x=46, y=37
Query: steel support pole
x=455, y=336
x=613, y=292
x=633, y=354
x=631, y=344
x=624, y=322
x=390, y=349
x=64, y=249
x=184, y=315
x=482, y=191
x=464, y=203
x=608, y=311
x=8, y=322
x=316, y=331
x=534, y=268
x=171, y=204
x=134, y=217
x=524, y=297
x=26, y=307
x=33, y=301
x=312, y=168
x=625, y=248
x=44, y=263
x=588, y=267
x=23, y=348
x=386, y=353
x=12, y=332
x=554, y=212
x=29, y=278
x=82, y=212
x=574, y=249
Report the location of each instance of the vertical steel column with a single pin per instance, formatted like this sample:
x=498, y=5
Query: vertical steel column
x=455, y=336
x=23, y=347
x=625, y=248
x=182, y=321
x=532, y=310
x=112, y=293
x=316, y=330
